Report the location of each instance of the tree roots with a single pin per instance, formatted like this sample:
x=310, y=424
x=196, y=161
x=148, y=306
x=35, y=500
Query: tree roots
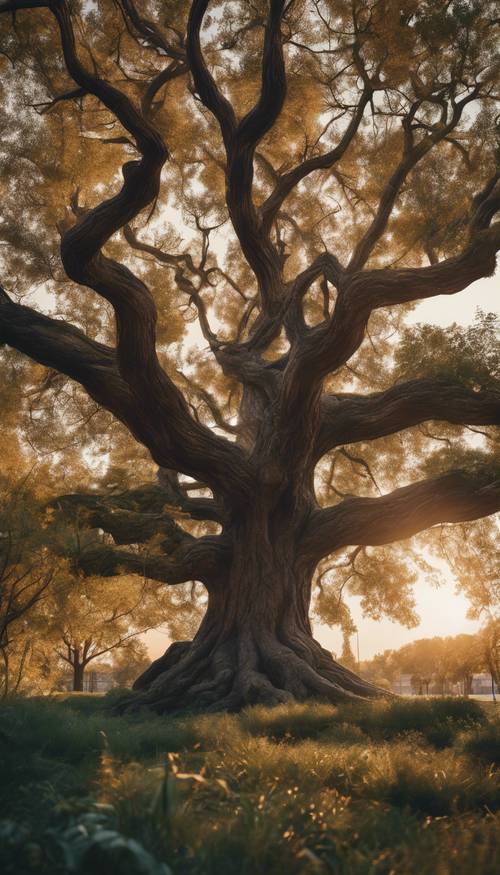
x=208, y=674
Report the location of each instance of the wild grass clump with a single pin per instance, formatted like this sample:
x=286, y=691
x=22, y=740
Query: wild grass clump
x=268, y=808
x=484, y=743
x=296, y=721
x=303, y=789
x=438, y=720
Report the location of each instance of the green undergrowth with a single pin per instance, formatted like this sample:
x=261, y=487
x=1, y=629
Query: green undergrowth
x=392, y=788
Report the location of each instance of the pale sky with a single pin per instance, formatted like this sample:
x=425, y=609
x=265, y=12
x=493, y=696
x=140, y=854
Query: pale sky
x=440, y=610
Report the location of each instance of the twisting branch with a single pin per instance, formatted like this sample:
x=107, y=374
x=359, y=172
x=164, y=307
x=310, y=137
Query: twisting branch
x=204, y=559
x=203, y=79
x=347, y=418
x=241, y=139
x=187, y=444
x=454, y=497
x=210, y=401
x=290, y=180
x=144, y=29
x=173, y=70
x=138, y=514
x=181, y=264
x=326, y=347
x=57, y=344
x=149, y=31
x=412, y=155
x=125, y=525
x=80, y=247
x=46, y=105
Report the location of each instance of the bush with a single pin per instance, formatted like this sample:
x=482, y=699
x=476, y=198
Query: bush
x=438, y=720
x=484, y=743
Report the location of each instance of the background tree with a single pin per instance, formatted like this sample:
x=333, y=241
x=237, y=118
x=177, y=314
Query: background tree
x=28, y=571
x=472, y=554
x=357, y=178
x=382, y=669
x=93, y=617
x=437, y=665
x=425, y=661
x=129, y=662
x=489, y=643
x=463, y=659
x=47, y=610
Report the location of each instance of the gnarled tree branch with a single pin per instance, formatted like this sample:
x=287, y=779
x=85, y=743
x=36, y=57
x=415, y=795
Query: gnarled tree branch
x=350, y=418
x=58, y=344
x=204, y=559
x=454, y=497
x=241, y=139
x=326, y=347
x=188, y=446
x=135, y=516
x=288, y=181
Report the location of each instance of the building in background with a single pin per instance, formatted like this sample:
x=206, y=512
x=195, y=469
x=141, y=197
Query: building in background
x=410, y=685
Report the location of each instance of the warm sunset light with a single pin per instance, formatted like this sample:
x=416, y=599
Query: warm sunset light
x=250, y=398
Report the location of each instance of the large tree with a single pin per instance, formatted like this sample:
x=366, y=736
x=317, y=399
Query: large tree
x=348, y=149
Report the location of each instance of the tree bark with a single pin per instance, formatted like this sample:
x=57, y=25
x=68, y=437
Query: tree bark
x=255, y=644
x=78, y=675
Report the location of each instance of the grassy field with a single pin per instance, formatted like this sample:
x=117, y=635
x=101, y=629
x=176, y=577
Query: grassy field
x=390, y=789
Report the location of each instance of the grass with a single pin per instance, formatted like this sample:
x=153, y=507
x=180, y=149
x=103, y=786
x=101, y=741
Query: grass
x=394, y=788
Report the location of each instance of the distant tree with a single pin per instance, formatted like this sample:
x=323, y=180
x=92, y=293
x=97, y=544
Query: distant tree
x=349, y=148
x=489, y=642
x=92, y=618
x=27, y=571
x=435, y=663
x=463, y=659
x=382, y=669
x=425, y=661
x=472, y=552
x=129, y=662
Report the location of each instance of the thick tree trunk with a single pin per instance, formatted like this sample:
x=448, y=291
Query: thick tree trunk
x=78, y=673
x=255, y=644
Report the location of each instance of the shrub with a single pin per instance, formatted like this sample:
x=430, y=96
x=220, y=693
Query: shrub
x=484, y=743
x=438, y=720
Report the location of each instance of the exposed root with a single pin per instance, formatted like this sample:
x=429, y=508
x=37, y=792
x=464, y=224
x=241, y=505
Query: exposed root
x=174, y=653
x=210, y=675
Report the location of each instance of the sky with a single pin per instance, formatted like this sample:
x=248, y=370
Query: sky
x=441, y=611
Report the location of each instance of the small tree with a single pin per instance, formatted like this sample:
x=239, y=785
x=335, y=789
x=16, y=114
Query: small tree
x=463, y=658
x=475, y=560
x=27, y=571
x=489, y=642
x=129, y=662
x=92, y=618
x=382, y=669
x=424, y=660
